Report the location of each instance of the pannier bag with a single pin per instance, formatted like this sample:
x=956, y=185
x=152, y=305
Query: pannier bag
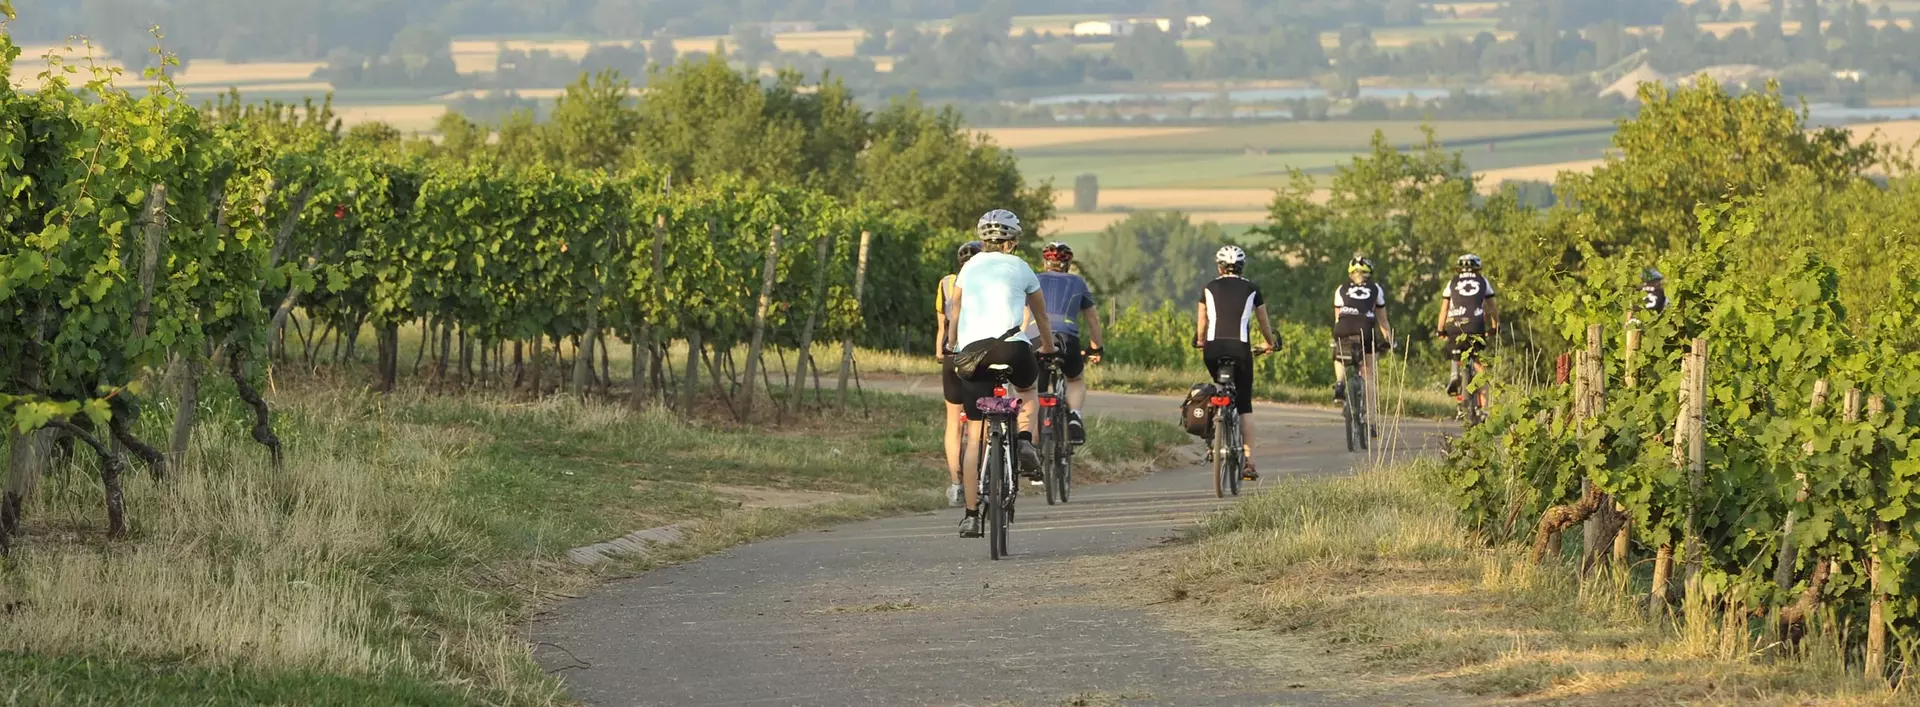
x=1196, y=413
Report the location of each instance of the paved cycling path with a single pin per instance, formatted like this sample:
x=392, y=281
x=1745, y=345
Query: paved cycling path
x=903, y=612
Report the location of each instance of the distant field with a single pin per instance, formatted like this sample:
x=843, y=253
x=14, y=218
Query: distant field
x=1025, y=138
x=1174, y=199
x=1086, y=223
x=1257, y=157
x=408, y=118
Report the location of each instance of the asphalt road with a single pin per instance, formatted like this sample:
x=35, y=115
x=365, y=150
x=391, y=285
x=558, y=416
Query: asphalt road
x=903, y=612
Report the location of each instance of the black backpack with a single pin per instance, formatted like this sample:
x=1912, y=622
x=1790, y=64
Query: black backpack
x=1196, y=412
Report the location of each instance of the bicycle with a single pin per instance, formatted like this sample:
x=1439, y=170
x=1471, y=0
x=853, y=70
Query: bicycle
x=1056, y=447
x=1351, y=351
x=1229, y=447
x=997, y=488
x=1468, y=395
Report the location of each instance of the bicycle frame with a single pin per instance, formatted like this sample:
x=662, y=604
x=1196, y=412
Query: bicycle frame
x=1227, y=443
x=997, y=488
x=1056, y=451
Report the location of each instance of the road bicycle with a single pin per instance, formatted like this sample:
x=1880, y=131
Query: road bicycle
x=1351, y=351
x=1056, y=447
x=997, y=488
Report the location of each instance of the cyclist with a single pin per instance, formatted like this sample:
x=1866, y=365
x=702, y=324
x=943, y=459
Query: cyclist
x=1227, y=306
x=1653, y=288
x=950, y=383
x=1468, y=316
x=992, y=295
x=1359, y=309
x=1069, y=302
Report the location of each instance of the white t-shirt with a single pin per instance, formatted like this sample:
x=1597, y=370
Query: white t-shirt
x=993, y=297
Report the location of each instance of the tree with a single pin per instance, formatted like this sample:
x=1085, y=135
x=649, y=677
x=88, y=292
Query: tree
x=1692, y=146
x=593, y=123
x=460, y=139
x=1164, y=253
x=1407, y=211
x=1086, y=193
x=874, y=42
x=927, y=163
x=753, y=44
x=1734, y=12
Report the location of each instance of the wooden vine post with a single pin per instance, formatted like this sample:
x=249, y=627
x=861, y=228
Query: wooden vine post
x=1696, y=456
x=822, y=250
x=1877, y=610
x=1684, y=430
x=1789, y=553
x=1595, y=532
x=1589, y=395
x=760, y=324
x=859, y=295
x=1623, y=538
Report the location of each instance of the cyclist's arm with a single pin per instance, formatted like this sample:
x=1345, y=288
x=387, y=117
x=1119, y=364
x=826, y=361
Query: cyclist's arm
x=1200, y=332
x=1266, y=328
x=940, y=335
x=950, y=326
x=1095, y=335
x=1493, y=314
x=1440, y=324
x=1386, y=327
x=1037, y=306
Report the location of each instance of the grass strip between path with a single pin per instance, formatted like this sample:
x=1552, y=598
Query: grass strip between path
x=1377, y=570
x=400, y=554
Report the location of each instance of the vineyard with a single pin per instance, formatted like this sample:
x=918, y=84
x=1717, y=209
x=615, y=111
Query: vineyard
x=1748, y=452
x=149, y=242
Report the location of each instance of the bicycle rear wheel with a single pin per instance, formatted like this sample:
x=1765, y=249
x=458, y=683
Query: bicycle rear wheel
x=1238, y=455
x=1050, y=435
x=1064, y=477
x=1222, y=454
x=1357, y=391
x=994, y=505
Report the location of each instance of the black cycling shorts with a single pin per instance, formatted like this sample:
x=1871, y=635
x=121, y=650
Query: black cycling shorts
x=1344, y=345
x=1241, y=354
x=1022, y=371
x=950, y=382
x=1073, y=363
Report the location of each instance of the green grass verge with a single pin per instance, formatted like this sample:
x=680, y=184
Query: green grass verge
x=397, y=557
x=1376, y=573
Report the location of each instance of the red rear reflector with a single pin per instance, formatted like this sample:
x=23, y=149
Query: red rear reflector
x=1221, y=401
x=1047, y=401
x=999, y=391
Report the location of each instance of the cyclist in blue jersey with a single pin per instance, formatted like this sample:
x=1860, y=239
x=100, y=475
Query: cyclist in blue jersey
x=943, y=305
x=1069, y=302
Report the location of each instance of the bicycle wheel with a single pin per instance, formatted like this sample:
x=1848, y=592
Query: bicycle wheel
x=1222, y=458
x=1238, y=455
x=1065, y=474
x=1346, y=418
x=1050, y=435
x=993, y=507
x=1357, y=391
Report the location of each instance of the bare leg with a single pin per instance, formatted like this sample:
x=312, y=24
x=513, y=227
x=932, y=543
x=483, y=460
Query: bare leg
x=970, y=463
x=1029, y=399
x=1076, y=393
x=1480, y=383
x=953, y=441
x=1246, y=434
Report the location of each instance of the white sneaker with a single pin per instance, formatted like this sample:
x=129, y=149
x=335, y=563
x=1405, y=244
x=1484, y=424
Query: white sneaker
x=953, y=495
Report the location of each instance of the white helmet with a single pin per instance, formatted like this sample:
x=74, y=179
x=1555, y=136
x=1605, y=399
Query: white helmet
x=1231, y=256
x=998, y=225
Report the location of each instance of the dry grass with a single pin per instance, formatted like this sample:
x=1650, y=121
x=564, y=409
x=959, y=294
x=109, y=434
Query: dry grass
x=1018, y=138
x=1174, y=199
x=231, y=564
x=1377, y=569
x=1899, y=133
x=201, y=73
x=1099, y=221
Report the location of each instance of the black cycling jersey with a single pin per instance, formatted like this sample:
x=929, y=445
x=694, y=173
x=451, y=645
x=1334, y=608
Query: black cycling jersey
x=1358, y=307
x=1654, y=297
x=1466, y=295
x=1231, y=301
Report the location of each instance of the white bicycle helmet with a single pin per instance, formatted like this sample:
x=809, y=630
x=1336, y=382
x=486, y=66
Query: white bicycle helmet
x=1231, y=256
x=998, y=225
x=1469, y=262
